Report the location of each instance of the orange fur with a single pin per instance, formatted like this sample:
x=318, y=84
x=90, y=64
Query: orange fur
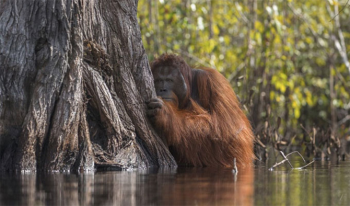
x=209, y=128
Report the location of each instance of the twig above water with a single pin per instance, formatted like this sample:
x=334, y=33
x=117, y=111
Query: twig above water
x=290, y=164
x=298, y=153
x=235, y=170
x=299, y=168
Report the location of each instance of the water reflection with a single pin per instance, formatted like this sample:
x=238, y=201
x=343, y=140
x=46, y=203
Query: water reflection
x=324, y=183
x=180, y=187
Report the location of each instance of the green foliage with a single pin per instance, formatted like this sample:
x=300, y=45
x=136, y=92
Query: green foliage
x=284, y=50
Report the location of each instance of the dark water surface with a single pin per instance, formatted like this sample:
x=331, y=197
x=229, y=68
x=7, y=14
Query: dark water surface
x=323, y=183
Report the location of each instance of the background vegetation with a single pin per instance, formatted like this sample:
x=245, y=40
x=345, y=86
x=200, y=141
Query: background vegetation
x=287, y=60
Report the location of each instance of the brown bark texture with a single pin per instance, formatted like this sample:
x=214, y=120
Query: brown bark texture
x=74, y=77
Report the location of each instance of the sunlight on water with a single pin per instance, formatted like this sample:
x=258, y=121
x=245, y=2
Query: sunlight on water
x=323, y=183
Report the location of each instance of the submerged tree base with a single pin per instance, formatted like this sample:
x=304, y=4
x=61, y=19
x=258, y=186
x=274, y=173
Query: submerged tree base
x=73, y=84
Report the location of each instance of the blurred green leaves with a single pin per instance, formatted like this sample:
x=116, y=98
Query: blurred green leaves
x=285, y=50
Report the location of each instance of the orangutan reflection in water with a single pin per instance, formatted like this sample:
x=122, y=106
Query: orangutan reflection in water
x=208, y=187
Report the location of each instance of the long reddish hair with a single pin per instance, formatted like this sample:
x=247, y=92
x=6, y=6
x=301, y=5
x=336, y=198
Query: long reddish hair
x=212, y=129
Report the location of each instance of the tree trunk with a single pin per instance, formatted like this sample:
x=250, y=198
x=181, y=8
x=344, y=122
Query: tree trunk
x=74, y=77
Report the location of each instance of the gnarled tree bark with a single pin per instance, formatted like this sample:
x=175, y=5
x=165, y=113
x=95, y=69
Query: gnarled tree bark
x=73, y=81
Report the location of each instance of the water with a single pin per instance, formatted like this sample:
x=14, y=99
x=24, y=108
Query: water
x=323, y=183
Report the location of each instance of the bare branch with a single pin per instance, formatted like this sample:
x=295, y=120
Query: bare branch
x=235, y=169
x=345, y=119
x=286, y=160
x=340, y=11
x=298, y=153
x=305, y=165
